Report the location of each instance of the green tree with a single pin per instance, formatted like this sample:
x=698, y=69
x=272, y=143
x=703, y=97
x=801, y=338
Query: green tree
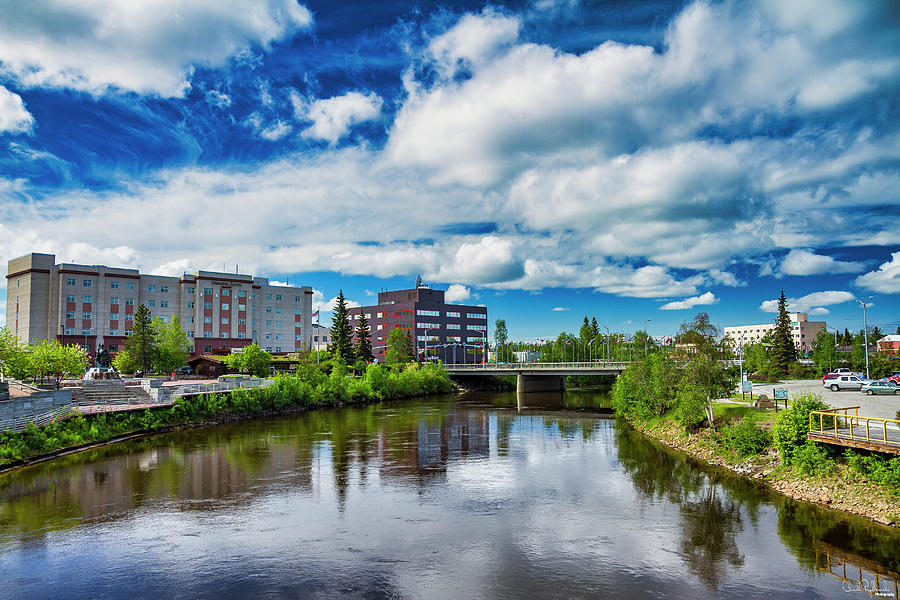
x=500, y=338
x=783, y=351
x=49, y=357
x=824, y=352
x=141, y=345
x=858, y=353
x=704, y=379
x=173, y=346
x=363, y=341
x=341, y=332
x=848, y=337
x=700, y=332
x=755, y=358
x=398, y=350
x=12, y=354
x=124, y=362
x=251, y=359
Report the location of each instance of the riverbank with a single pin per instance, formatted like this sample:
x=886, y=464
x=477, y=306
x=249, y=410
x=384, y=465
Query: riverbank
x=311, y=387
x=845, y=489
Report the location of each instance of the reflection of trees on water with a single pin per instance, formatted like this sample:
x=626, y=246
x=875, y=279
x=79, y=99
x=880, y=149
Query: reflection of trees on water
x=710, y=513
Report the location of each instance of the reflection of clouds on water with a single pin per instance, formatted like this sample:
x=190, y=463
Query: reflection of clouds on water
x=418, y=499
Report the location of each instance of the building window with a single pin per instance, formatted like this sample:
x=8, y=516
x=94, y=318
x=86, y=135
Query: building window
x=277, y=348
x=87, y=283
x=151, y=303
x=429, y=326
x=475, y=339
x=129, y=317
x=315, y=338
x=129, y=286
x=452, y=325
x=278, y=296
x=224, y=320
x=242, y=321
x=404, y=325
x=164, y=288
x=297, y=298
x=164, y=303
x=70, y=281
x=85, y=332
x=190, y=319
x=69, y=331
x=113, y=347
x=277, y=336
x=268, y=309
x=113, y=300
x=114, y=285
x=278, y=309
x=380, y=327
x=268, y=296
x=87, y=299
x=70, y=298
x=428, y=313
x=297, y=311
x=381, y=315
x=241, y=335
x=478, y=327
x=268, y=336
x=454, y=338
x=207, y=348
x=242, y=294
x=129, y=301
x=70, y=314
x=190, y=333
x=151, y=288
x=278, y=323
x=190, y=290
x=207, y=305
x=403, y=313
x=207, y=319
x=225, y=306
x=268, y=323
x=477, y=315
x=453, y=314
x=113, y=332
x=86, y=315
x=242, y=307
x=226, y=292
x=207, y=291
x=190, y=305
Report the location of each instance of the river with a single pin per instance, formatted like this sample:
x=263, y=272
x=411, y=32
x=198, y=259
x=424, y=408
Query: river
x=480, y=496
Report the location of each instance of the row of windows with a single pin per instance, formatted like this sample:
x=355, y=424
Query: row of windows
x=422, y=313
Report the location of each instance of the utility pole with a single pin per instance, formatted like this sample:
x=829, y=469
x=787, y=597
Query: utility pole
x=865, y=303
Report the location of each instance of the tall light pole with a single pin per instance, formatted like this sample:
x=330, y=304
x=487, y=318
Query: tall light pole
x=865, y=303
x=645, y=336
x=607, y=342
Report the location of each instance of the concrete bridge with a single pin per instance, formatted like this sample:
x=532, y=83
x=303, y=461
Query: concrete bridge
x=538, y=377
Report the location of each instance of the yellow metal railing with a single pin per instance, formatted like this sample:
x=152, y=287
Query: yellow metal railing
x=841, y=423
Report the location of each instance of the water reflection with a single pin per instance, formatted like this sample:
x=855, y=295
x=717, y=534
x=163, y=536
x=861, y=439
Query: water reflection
x=485, y=496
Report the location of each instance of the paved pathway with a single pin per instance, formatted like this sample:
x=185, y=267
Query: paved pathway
x=883, y=407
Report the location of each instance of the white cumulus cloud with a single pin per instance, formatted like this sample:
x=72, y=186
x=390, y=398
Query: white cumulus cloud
x=702, y=299
x=14, y=117
x=806, y=303
x=885, y=279
x=457, y=293
x=806, y=262
x=333, y=117
x=147, y=47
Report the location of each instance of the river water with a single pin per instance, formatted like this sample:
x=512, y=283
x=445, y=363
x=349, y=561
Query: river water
x=484, y=496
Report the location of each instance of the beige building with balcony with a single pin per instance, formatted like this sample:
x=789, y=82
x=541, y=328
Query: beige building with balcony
x=93, y=304
x=803, y=331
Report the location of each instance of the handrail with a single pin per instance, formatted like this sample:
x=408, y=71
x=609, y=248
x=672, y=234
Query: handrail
x=842, y=425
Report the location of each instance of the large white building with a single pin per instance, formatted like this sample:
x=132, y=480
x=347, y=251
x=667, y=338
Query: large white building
x=803, y=331
x=93, y=304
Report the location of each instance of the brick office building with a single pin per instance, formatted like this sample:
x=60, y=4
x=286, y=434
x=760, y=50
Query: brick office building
x=449, y=332
x=90, y=304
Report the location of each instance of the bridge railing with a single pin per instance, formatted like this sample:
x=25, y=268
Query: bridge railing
x=838, y=422
x=192, y=389
x=579, y=365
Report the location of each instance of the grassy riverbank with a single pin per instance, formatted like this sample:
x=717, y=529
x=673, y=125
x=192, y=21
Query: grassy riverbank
x=310, y=387
x=772, y=448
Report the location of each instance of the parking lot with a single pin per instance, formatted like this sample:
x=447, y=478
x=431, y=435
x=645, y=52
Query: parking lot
x=883, y=407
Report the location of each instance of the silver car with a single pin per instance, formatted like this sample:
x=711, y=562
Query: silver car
x=844, y=382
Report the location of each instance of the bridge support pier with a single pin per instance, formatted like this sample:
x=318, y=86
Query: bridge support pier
x=540, y=383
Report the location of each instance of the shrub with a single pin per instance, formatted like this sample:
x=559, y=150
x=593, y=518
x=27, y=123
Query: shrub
x=744, y=437
x=792, y=425
x=880, y=469
x=690, y=411
x=812, y=459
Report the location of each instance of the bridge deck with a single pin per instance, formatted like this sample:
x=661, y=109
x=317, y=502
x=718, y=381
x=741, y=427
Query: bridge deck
x=838, y=427
x=568, y=368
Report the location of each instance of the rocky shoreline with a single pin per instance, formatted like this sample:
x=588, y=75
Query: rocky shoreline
x=846, y=491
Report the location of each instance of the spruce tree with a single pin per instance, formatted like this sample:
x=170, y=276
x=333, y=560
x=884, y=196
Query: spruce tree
x=341, y=333
x=783, y=351
x=141, y=345
x=363, y=342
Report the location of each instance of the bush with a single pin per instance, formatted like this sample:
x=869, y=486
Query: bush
x=792, y=425
x=744, y=437
x=812, y=459
x=880, y=469
x=690, y=411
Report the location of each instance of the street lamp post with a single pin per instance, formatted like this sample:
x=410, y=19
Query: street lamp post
x=645, y=336
x=607, y=342
x=865, y=303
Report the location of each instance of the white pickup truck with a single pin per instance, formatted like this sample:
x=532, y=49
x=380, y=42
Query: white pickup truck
x=844, y=382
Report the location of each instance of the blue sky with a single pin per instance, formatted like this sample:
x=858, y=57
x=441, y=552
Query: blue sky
x=549, y=159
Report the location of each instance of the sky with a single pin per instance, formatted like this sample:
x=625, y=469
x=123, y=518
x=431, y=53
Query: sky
x=637, y=162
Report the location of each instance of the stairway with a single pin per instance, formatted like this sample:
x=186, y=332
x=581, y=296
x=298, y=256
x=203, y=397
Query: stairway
x=109, y=392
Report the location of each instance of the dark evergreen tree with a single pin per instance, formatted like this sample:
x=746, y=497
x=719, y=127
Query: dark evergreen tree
x=341, y=333
x=783, y=352
x=410, y=350
x=848, y=338
x=876, y=334
x=141, y=345
x=595, y=328
x=363, y=341
x=501, y=337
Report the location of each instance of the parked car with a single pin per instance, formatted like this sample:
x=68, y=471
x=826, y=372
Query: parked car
x=894, y=376
x=829, y=377
x=881, y=386
x=844, y=382
x=183, y=370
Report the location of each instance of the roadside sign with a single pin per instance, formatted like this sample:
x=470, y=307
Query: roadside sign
x=746, y=386
x=780, y=393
